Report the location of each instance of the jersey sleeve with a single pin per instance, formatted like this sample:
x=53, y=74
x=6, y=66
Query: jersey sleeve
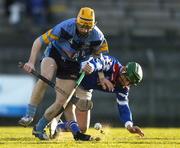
x=97, y=63
x=52, y=34
x=123, y=108
x=103, y=48
x=49, y=36
x=103, y=63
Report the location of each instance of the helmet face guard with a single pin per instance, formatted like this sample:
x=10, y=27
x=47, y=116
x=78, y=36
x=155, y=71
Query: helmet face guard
x=134, y=73
x=124, y=80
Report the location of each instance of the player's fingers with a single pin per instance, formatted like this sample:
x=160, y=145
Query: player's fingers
x=27, y=68
x=104, y=86
x=110, y=86
x=139, y=131
x=141, y=134
x=87, y=69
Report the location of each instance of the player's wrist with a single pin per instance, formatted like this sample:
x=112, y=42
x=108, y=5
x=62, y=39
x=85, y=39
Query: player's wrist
x=128, y=124
x=101, y=75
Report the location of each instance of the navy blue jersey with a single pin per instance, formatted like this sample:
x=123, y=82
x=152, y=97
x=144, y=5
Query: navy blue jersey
x=64, y=37
x=111, y=68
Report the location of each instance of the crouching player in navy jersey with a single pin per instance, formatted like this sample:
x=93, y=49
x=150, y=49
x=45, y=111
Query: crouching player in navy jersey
x=122, y=77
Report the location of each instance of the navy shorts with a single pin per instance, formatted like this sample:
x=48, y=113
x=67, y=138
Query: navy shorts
x=66, y=69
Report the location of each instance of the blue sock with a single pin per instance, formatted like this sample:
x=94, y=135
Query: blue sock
x=40, y=126
x=73, y=126
x=31, y=110
x=63, y=125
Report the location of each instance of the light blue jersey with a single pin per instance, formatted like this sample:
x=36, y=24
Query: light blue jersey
x=66, y=39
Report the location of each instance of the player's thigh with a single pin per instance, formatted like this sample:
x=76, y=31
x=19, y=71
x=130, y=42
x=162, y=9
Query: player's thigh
x=67, y=86
x=48, y=67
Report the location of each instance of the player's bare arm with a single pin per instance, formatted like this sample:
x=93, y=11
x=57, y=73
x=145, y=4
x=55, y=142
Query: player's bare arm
x=34, y=53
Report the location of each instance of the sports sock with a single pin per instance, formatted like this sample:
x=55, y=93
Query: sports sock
x=63, y=125
x=73, y=126
x=40, y=126
x=31, y=110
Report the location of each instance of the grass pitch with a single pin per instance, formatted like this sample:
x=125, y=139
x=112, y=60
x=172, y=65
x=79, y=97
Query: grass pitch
x=19, y=137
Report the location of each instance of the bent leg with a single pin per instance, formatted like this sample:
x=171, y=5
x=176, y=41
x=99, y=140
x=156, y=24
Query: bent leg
x=83, y=118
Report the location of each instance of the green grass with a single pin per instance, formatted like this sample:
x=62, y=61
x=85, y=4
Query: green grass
x=19, y=137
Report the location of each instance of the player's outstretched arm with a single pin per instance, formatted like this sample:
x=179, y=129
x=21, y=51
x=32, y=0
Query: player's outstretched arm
x=135, y=130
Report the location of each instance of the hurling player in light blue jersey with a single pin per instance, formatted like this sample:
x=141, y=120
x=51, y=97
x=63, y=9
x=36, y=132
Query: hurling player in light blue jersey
x=68, y=44
x=122, y=77
x=73, y=45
